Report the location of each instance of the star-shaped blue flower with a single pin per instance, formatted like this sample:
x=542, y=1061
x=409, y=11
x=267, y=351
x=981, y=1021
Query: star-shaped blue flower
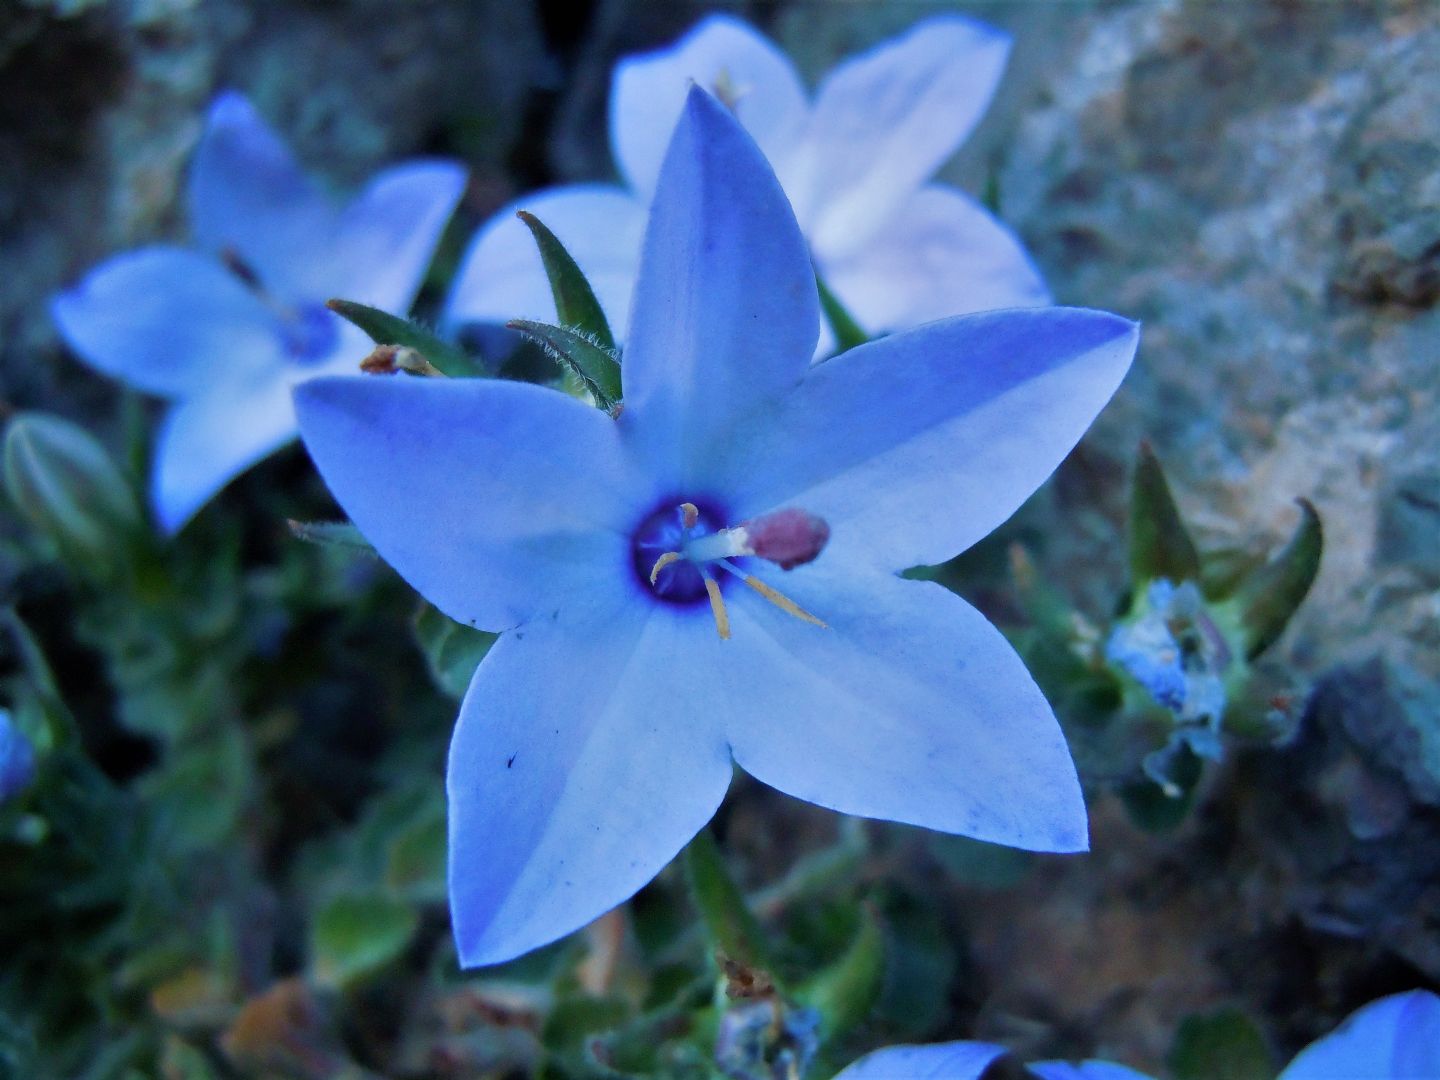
x=225, y=329
x=855, y=162
x=598, y=734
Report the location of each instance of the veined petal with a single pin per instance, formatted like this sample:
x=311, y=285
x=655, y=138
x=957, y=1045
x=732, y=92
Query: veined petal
x=725, y=314
x=168, y=321
x=248, y=196
x=909, y=707
x=1395, y=1038
x=884, y=121
x=720, y=54
x=1084, y=1070
x=387, y=235
x=502, y=276
x=915, y=446
x=940, y=254
x=940, y=1061
x=493, y=499
x=586, y=756
x=208, y=440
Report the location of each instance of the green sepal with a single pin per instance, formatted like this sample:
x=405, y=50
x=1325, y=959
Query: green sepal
x=580, y=355
x=1160, y=545
x=387, y=329
x=335, y=534
x=1225, y=1043
x=845, y=992
x=730, y=924
x=1271, y=596
x=848, y=333
x=452, y=650
x=357, y=934
x=575, y=302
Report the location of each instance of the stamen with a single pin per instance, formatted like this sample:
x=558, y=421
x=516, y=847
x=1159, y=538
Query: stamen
x=717, y=607
x=689, y=514
x=779, y=599
x=662, y=562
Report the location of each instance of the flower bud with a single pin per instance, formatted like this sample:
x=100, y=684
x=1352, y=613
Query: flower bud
x=17, y=759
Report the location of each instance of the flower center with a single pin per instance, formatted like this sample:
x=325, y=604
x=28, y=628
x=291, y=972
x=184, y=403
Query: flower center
x=310, y=333
x=676, y=550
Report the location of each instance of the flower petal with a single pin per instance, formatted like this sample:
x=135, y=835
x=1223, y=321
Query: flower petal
x=720, y=54
x=387, y=236
x=1395, y=1038
x=586, y=756
x=940, y=1061
x=208, y=440
x=493, y=499
x=915, y=446
x=503, y=278
x=725, y=315
x=248, y=196
x=167, y=321
x=941, y=254
x=884, y=121
x=1085, y=1070
x=909, y=707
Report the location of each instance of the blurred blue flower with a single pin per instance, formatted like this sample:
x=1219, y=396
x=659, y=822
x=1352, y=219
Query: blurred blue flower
x=17, y=759
x=968, y=1061
x=226, y=328
x=598, y=734
x=1395, y=1038
x=897, y=251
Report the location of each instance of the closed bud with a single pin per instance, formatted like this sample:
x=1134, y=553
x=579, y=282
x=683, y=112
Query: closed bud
x=17, y=759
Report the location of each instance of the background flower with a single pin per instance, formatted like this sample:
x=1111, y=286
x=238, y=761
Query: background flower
x=1395, y=1038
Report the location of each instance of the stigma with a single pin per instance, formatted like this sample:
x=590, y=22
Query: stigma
x=684, y=550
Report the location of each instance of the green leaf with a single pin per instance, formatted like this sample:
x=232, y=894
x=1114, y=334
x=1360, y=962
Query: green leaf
x=337, y=534
x=728, y=921
x=356, y=934
x=387, y=329
x=1272, y=595
x=846, y=991
x=575, y=302
x=1222, y=1045
x=452, y=650
x=1160, y=545
x=847, y=331
x=415, y=862
x=579, y=354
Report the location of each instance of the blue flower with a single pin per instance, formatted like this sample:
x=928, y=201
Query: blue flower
x=17, y=759
x=897, y=251
x=224, y=330
x=968, y=1061
x=598, y=734
x=1395, y=1038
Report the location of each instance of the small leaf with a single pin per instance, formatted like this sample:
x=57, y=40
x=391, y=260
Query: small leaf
x=581, y=355
x=415, y=863
x=356, y=934
x=1160, y=545
x=387, y=329
x=338, y=534
x=453, y=651
x=1223, y=1045
x=848, y=333
x=1272, y=595
x=844, y=993
x=575, y=302
x=731, y=925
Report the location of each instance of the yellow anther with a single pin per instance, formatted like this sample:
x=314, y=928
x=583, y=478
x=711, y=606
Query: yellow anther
x=783, y=602
x=662, y=562
x=689, y=514
x=717, y=608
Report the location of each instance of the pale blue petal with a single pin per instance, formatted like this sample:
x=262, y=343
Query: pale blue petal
x=207, y=440
x=249, y=197
x=915, y=446
x=1085, y=1070
x=502, y=278
x=940, y=1061
x=387, y=235
x=884, y=121
x=720, y=54
x=586, y=756
x=909, y=707
x=167, y=321
x=493, y=499
x=941, y=254
x=1395, y=1038
x=725, y=315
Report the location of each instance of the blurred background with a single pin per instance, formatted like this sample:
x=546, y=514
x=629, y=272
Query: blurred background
x=255, y=890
